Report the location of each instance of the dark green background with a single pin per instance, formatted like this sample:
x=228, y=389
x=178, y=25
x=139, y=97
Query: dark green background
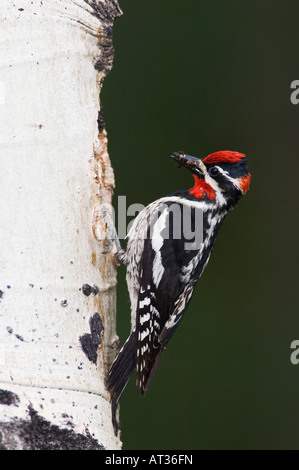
x=202, y=76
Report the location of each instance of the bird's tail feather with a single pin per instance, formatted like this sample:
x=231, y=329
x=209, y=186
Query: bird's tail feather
x=120, y=373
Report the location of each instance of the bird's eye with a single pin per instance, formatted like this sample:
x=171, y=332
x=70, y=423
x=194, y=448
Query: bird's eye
x=213, y=171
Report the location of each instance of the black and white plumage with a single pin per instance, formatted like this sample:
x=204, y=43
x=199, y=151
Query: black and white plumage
x=164, y=263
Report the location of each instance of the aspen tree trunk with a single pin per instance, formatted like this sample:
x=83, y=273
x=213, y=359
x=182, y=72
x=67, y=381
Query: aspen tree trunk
x=57, y=289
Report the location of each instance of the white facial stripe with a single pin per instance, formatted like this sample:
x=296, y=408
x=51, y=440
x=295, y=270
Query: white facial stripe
x=215, y=186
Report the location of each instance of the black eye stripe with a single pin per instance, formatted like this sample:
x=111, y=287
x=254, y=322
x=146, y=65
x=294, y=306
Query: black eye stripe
x=235, y=170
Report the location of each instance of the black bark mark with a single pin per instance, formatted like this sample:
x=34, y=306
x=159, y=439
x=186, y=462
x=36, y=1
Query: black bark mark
x=39, y=434
x=8, y=398
x=87, y=289
x=91, y=341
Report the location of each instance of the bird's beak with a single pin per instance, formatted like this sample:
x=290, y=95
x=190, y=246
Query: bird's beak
x=192, y=163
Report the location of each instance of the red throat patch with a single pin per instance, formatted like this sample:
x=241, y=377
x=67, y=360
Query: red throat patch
x=244, y=182
x=202, y=189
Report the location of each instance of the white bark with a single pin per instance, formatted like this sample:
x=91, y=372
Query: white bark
x=54, y=173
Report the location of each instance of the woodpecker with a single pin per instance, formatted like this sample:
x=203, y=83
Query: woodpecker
x=169, y=246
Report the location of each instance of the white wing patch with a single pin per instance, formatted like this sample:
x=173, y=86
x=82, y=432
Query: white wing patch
x=157, y=242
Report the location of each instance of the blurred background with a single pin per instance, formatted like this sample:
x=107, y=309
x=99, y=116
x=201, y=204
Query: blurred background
x=203, y=76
